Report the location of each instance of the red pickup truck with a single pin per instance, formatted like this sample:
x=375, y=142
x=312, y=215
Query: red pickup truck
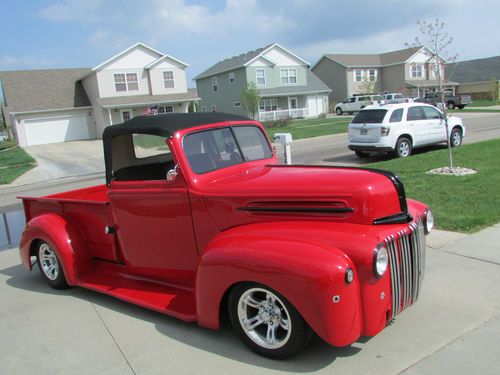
x=206, y=221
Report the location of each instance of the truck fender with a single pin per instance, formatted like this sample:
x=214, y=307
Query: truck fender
x=63, y=237
x=310, y=275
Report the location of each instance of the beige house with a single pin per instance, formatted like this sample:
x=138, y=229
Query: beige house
x=479, y=78
x=411, y=71
x=59, y=105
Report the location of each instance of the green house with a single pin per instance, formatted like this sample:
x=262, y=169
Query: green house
x=287, y=88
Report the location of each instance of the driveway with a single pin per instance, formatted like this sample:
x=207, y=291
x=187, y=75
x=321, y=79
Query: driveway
x=59, y=160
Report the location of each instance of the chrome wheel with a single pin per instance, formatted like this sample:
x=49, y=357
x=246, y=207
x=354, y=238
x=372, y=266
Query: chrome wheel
x=49, y=263
x=404, y=149
x=264, y=318
x=456, y=138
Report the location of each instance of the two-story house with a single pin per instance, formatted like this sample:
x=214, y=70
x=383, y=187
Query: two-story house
x=411, y=71
x=286, y=86
x=58, y=105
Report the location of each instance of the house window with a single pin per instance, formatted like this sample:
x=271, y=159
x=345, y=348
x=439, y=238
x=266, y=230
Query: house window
x=215, y=85
x=213, y=108
x=358, y=75
x=231, y=77
x=288, y=76
x=203, y=109
x=237, y=104
x=416, y=71
x=372, y=74
x=260, y=75
x=126, y=82
x=165, y=109
x=266, y=105
x=168, y=79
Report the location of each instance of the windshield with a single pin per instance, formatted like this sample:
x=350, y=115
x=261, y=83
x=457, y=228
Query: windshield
x=370, y=116
x=222, y=147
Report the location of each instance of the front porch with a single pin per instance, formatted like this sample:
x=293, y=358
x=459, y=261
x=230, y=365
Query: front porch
x=300, y=106
x=418, y=89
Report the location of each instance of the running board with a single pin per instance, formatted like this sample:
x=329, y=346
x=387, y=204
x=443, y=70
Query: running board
x=165, y=299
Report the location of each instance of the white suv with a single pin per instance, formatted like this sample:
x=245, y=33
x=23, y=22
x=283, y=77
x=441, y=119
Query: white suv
x=399, y=128
x=356, y=103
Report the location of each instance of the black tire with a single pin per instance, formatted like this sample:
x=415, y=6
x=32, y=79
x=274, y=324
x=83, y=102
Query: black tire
x=50, y=266
x=450, y=105
x=403, y=148
x=461, y=106
x=338, y=111
x=350, y=113
x=361, y=154
x=266, y=309
x=456, y=137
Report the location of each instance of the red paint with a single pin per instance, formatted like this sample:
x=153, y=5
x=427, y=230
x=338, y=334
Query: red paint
x=179, y=247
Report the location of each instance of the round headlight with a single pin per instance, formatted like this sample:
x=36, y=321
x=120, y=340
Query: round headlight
x=380, y=260
x=428, y=221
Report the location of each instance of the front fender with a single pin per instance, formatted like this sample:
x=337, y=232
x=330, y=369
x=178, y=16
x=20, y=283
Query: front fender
x=309, y=274
x=63, y=237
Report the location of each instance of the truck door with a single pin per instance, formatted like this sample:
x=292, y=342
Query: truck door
x=437, y=129
x=152, y=217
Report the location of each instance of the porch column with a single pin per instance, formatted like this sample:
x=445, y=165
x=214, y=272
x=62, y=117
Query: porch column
x=110, y=118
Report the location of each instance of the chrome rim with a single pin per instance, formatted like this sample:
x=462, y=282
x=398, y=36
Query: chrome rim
x=264, y=318
x=457, y=138
x=404, y=149
x=48, y=262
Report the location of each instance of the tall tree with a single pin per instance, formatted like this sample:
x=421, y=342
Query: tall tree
x=250, y=98
x=434, y=36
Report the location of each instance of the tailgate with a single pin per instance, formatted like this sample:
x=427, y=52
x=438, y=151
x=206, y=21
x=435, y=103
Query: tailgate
x=364, y=133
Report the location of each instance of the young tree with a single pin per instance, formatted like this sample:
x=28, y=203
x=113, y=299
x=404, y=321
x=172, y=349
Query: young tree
x=368, y=86
x=250, y=98
x=437, y=40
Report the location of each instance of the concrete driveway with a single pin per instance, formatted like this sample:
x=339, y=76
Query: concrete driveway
x=454, y=328
x=66, y=159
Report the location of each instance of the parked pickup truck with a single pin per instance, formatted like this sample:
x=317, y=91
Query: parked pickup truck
x=451, y=101
x=198, y=218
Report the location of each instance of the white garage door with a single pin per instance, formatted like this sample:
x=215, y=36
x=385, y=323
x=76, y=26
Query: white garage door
x=56, y=129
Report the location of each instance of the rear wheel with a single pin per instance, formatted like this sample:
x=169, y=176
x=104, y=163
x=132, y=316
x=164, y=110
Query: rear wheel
x=50, y=266
x=361, y=154
x=456, y=137
x=338, y=111
x=461, y=106
x=267, y=322
x=451, y=105
x=403, y=148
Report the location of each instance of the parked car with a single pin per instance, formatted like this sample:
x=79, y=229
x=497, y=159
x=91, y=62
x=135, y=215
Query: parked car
x=210, y=223
x=399, y=128
x=356, y=103
x=451, y=101
x=394, y=98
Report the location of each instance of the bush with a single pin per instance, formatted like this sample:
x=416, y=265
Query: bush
x=278, y=123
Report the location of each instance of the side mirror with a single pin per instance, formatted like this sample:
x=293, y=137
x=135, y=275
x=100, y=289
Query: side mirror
x=172, y=174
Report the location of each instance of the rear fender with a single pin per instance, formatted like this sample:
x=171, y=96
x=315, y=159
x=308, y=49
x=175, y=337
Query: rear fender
x=63, y=237
x=308, y=274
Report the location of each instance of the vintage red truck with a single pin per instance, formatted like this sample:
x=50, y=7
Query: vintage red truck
x=210, y=222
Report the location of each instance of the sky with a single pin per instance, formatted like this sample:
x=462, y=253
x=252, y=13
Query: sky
x=45, y=34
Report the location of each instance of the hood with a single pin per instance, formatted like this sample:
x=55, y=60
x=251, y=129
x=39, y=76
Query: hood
x=282, y=192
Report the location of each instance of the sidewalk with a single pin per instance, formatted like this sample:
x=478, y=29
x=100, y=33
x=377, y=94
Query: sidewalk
x=454, y=328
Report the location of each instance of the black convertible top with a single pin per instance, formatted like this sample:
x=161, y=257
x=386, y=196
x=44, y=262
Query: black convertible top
x=166, y=124
x=161, y=125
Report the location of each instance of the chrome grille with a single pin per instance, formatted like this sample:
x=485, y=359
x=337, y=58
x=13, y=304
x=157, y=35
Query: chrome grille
x=407, y=263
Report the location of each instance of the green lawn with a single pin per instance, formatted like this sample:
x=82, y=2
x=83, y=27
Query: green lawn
x=463, y=204
x=312, y=128
x=483, y=103
x=14, y=163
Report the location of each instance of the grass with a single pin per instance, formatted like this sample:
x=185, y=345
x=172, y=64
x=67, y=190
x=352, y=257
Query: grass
x=462, y=204
x=13, y=163
x=483, y=103
x=149, y=141
x=312, y=128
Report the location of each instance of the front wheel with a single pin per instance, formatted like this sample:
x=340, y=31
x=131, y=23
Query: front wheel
x=338, y=111
x=50, y=266
x=456, y=137
x=267, y=322
x=451, y=105
x=403, y=148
